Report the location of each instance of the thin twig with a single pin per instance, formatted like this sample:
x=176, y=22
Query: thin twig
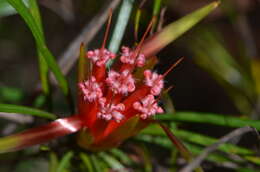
x=197, y=161
x=69, y=57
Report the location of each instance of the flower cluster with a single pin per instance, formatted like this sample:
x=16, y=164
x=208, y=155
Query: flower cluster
x=115, y=94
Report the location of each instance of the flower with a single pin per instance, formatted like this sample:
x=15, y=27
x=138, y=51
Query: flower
x=113, y=104
x=108, y=100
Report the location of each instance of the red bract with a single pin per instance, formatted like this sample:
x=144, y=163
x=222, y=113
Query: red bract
x=109, y=98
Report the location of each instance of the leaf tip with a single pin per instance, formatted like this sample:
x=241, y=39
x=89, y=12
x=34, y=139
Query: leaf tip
x=216, y=4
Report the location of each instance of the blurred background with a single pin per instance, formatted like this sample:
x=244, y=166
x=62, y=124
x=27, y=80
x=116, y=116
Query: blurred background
x=220, y=73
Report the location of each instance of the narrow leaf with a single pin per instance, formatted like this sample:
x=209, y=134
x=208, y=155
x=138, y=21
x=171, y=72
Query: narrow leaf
x=87, y=162
x=179, y=145
x=209, y=118
x=96, y=163
x=39, y=135
x=65, y=161
x=25, y=110
x=6, y=9
x=171, y=32
x=36, y=31
x=34, y=9
x=122, y=156
x=83, y=64
x=111, y=161
x=120, y=26
x=197, y=139
x=53, y=164
x=166, y=143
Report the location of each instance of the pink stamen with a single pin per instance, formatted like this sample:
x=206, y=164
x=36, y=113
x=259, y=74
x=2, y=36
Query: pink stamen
x=100, y=56
x=110, y=111
x=121, y=82
x=128, y=57
x=148, y=107
x=153, y=80
x=91, y=89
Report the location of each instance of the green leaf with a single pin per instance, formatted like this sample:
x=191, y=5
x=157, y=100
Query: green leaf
x=111, y=161
x=10, y=94
x=36, y=31
x=97, y=163
x=175, y=30
x=87, y=162
x=53, y=164
x=166, y=143
x=198, y=139
x=6, y=9
x=34, y=9
x=65, y=161
x=179, y=145
x=156, y=7
x=26, y=111
x=120, y=26
x=210, y=54
x=122, y=156
x=209, y=118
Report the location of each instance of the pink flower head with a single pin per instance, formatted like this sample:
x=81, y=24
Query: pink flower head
x=100, y=56
x=110, y=111
x=90, y=89
x=120, y=82
x=128, y=57
x=147, y=106
x=153, y=80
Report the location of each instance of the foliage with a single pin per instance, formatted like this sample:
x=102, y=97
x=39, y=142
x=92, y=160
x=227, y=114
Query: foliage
x=239, y=80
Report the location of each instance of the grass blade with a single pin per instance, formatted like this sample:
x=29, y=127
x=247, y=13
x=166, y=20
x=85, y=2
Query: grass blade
x=198, y=139
x=36, y=31
x=209, y=118
x=34, y=9
x=65, y=161
x=87, y=162
x=6, y=9
x=186, y=154
x=53, y=164
x=120, y=26
x=25, y=110
x=174, y=30
x=122, y=156
x=111, y=161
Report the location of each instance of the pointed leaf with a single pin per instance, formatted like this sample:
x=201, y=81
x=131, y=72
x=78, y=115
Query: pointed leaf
x=171, y=32
x=34, y=9
x=166, y=143
x=36, y=31
x=198, y=139
x=122, y=156
x=86, y=160
x=111, y=161
x=65, y=161
x=6, y=9
x=179, y=145
x=209, y=118
x=42, y=134
x=53, y=164
x=25, y=110
x=83, y=64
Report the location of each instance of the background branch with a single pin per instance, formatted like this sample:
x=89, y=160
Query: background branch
x=198, y=160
